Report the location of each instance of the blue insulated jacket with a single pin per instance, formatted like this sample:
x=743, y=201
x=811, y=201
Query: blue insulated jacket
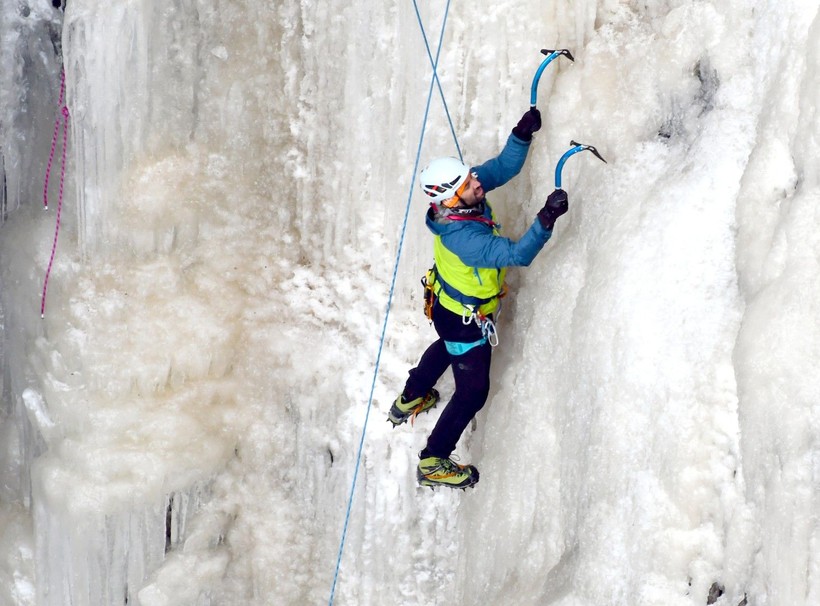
x=471, y=255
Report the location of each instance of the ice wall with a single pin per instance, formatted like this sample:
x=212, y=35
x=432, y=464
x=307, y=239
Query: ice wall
x=182, y=425
x=777, y=347
x=29, y=44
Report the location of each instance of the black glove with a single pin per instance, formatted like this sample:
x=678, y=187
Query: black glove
x=557, y=204
x=528, y=124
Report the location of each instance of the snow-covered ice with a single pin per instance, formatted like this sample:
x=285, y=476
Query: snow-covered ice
x=181, y=428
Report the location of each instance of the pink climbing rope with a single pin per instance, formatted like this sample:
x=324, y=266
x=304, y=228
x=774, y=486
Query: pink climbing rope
x=54, y=141
x=64, y=114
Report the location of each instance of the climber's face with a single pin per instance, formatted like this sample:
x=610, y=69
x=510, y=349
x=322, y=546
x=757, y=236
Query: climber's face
x=471, y=193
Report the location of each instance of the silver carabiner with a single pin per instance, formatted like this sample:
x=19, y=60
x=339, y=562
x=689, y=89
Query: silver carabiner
x=489, y=331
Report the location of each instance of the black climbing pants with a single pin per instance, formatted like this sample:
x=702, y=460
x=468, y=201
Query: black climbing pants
x=471, y=371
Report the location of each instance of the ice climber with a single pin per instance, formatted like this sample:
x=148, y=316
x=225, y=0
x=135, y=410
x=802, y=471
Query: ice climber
x=463, y=293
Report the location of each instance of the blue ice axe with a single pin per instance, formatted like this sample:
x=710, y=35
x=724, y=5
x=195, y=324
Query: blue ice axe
x=551, y=54
x=576, y=147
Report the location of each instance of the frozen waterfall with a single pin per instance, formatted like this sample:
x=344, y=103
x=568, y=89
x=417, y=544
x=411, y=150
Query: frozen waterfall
x=181, y=428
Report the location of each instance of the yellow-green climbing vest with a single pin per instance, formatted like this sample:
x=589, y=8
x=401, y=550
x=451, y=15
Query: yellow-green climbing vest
x=461, y=288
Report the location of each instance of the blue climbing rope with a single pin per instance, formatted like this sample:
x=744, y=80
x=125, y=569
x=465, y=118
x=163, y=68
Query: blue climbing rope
x=433, y=81
x=435, y=75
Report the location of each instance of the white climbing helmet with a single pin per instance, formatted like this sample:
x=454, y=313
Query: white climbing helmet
x=442, y=178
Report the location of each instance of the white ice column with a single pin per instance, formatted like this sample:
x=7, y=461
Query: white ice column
x=87, y=558
x=133, y=77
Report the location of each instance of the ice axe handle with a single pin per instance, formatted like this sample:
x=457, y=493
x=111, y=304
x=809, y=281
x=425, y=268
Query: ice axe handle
x=551, y=55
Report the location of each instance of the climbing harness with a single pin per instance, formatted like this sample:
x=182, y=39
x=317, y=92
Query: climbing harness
x=470, y=305
x=63, y=112
x=433, y=81
x=577, y=147
x=551, y=55
x=465, y=300
x=470, y=311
